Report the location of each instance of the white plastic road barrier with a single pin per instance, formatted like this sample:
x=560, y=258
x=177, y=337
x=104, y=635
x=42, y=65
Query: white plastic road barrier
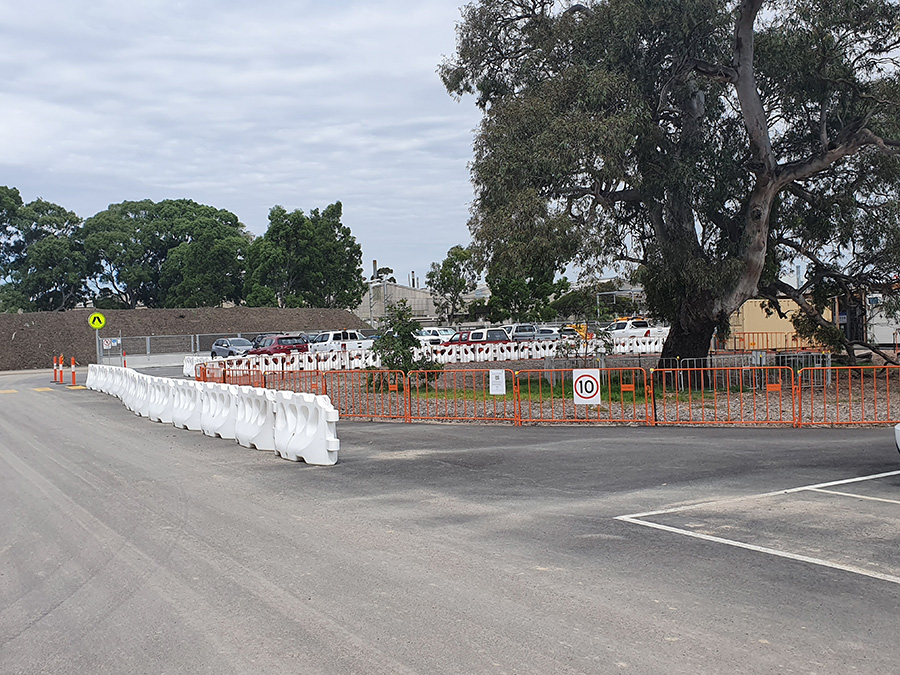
x=129, y=389
x=162, y=398
x=190, y=365
x=305, y=428
x=295, y=426
x=219, y=410
x=142, y=404
x=187, y=406
x=255, y=423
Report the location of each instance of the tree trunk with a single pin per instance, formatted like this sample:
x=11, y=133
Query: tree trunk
x=688, y=341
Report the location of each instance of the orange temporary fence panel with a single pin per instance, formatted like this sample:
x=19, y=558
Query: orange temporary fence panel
x=368, y=394
x=766, y=341
x=845, y=395
x=740, y=395
x=206, y=372
x=243, y=376
x=302, y=381
x=460, y=395
x=548, y=396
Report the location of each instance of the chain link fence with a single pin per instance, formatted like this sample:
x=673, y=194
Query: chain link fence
x=148, y=345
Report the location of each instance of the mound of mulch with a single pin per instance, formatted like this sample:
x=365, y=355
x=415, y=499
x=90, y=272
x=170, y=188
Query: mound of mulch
x=32, y=340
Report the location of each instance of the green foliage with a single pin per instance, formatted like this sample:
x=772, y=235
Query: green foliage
x=207, y=270
x=450, y=280
x=10, y=203
x=130, y=243
x=12, y=299
x=523, y=298
x=384, y=274
x=397, y=343
x=41, y=255
x=305, y=261
x=597, y=301
x=624, y=132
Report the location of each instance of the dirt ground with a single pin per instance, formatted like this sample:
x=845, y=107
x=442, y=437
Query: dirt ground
x=32, y=340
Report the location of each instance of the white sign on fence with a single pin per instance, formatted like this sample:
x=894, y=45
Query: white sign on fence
x=498, y=383
x=586, y=383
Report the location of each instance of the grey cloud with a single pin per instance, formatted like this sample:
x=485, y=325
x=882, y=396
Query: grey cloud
x=244, y=106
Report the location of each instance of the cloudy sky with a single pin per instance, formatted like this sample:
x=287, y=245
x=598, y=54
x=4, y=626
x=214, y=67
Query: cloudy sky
x=243, y=106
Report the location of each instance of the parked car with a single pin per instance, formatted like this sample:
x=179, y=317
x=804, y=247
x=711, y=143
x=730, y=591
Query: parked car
x=546, y=333
x=231, y=347
x=635, y=327
x=426, y=339
x=521, y=331
x=257, y=341
x=441, y=333
x=339, y=340
x=478, y=336
x=281, y=344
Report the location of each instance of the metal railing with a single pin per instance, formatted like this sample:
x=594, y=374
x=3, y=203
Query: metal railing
x=461, y=395
x=370, y=394
x=748, y=395
x=849, y=395
x=300, y=381
x=765, y=341
x=548, y=396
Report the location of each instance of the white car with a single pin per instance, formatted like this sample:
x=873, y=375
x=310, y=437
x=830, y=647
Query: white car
x=635, y=328
x=339, y=341
x=440, y=334
x=546, y=333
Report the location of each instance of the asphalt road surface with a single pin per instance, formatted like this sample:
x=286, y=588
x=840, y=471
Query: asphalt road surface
x=133, y=547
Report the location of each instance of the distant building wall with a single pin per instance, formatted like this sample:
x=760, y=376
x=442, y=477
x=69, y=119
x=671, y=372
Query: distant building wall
x=752, y=318
x=372, y=308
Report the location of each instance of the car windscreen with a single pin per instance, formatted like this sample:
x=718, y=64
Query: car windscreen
x=240, y=342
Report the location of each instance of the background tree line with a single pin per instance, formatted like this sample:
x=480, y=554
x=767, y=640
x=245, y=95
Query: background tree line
x=174, y=253
x=517, y=297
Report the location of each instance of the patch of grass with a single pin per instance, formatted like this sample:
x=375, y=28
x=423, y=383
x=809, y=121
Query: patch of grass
x=534, y=390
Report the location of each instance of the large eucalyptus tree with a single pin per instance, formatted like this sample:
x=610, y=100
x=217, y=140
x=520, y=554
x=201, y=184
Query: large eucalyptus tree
x=711, y=144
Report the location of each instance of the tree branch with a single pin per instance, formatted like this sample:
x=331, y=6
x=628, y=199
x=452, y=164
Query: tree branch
x=795, y=171
x=752, y=109
x=714, y=71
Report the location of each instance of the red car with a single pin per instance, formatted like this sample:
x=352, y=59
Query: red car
x=281, y=344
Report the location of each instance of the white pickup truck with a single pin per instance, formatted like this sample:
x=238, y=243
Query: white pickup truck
x=338, y=341
x=639, y=328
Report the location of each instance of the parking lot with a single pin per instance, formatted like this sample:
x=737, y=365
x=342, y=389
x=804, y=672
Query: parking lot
x=848, y=525
x=442, y=548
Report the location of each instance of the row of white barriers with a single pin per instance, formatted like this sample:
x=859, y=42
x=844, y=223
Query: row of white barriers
x=367, y=359
x=294, y=426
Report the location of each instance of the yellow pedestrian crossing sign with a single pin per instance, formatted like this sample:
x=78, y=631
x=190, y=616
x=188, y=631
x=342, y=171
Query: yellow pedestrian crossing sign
x=97, y=320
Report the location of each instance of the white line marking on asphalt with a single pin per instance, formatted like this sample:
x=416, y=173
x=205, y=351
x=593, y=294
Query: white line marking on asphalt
x=636, y=519
x=762, y=495
x=762, y=549
x=856, y=496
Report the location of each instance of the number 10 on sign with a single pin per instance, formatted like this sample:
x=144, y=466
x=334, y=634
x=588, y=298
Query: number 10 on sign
x=586, y=383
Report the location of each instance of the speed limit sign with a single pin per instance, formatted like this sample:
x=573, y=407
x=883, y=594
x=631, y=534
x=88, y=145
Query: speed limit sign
x=586, y=383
